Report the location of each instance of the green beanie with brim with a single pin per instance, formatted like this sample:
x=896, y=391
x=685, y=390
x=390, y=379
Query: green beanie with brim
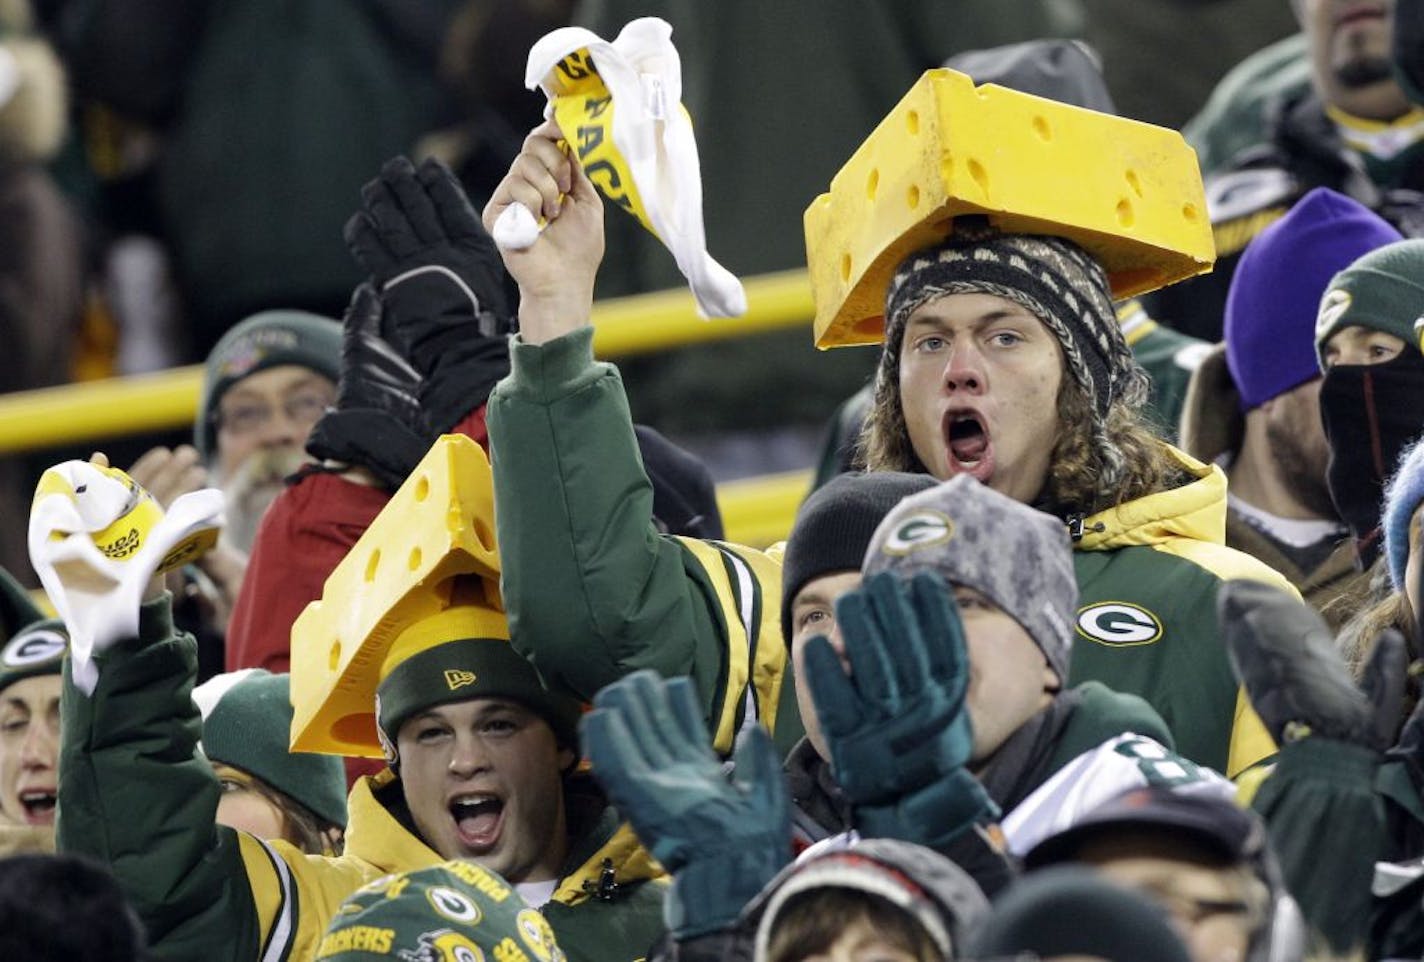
x=36, y=649
x=247, y=723
x=463, y=670
x=1383, y=291
x=17, y=608
x=264, y=340
x=454, y=910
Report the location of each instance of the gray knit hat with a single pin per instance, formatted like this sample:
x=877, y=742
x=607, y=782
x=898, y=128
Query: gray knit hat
x=1052, y=278
x=247, y=722
x=969, y=534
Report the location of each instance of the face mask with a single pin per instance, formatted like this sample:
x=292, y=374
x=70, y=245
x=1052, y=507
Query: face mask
x=1371, y=412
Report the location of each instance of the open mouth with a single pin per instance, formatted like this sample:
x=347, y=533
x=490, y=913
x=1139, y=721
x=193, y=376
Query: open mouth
x=39, y=804
x=969, y=445
x=1359, y=12
x=478, y=819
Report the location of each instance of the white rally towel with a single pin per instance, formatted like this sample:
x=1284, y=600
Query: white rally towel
x=651, y=140
x=96, y=538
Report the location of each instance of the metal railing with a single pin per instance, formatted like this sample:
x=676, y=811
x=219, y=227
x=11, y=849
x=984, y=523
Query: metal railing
x=756, y=511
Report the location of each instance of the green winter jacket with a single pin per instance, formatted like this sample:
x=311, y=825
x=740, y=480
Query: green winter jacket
x=586, y=573
x=138, y=795
x=1148, y=574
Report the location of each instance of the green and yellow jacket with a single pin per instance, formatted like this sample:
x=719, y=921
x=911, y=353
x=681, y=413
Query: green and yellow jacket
x=594, y=592
x=137, y=794
x=1148, y=574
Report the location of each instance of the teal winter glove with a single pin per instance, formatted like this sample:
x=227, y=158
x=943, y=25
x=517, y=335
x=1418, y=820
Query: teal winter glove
x=897, y=726
x=722, y=839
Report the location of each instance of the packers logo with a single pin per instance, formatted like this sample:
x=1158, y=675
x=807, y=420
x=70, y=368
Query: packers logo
x=33, y=648
x=444, y=945
x=458, y=679
x=536, y=934
x=920, y=530
x=454, y=905
x=1419, y=331
x=1335, y=303
x=1119, y=624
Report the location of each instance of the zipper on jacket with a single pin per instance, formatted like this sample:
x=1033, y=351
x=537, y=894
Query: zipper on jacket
x=1076, y=527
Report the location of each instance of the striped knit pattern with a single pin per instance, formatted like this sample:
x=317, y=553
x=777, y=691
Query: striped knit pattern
x=1052, y=278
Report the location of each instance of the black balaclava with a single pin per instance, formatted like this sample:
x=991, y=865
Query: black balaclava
x=1371, y=412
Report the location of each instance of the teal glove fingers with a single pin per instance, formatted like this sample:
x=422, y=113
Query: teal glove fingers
x=889, y=739
x=721, y=839
x=946, y=653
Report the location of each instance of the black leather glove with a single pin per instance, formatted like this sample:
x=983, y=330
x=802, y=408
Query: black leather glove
x=377, y=422
x=442, y=282
x=1283, y=652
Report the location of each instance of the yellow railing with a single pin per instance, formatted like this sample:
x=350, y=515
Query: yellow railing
x=756, y=511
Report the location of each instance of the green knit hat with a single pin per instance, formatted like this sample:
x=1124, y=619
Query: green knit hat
x=17, y=608
x=462, y=670
x=36, y=649
x=1383, y=290
x=247, y=723
x=455, y=910
x=257, y=343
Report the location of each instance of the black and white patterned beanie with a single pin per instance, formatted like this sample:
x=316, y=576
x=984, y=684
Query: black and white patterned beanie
x=1052, y=278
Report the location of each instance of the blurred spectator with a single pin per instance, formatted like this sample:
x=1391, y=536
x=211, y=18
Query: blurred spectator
x=1203, y=860
x=270, y=115
x=1254, y=404
x=265, y=385
x=1352, y=130
x=1070, y=913
x=62, y=908
x=268, y=790
x=31, y=654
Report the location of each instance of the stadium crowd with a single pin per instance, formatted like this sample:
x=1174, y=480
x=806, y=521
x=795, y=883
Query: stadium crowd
x=1098, y=636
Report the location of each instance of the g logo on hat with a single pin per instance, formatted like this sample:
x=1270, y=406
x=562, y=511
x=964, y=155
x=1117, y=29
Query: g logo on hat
x=447, y=946
x=1118, y=624
x=1335, y=303
x=454, y=905
x=33, y=647
x=920, y=530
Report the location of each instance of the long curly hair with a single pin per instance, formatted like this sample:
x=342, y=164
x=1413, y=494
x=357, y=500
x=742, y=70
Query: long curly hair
x=1095, y=465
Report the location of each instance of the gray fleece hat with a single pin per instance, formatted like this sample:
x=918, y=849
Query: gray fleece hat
x=970, y=535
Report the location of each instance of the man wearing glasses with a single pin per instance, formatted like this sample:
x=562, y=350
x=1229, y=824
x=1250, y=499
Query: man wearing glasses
x=265, y=385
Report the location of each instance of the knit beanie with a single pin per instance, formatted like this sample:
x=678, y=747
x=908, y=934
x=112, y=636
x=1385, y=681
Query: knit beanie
x=247, y=721
x=261, y=341
x=1383, y=290
x=17, y=608
x=928, y=887
x=973, y=536
x=36, y=649
x=1070, y=910
x=454, y=910
x=462, y=670
x=1053, y=279
x=684, y=496
x=834, y=527
x=1402, y=497
x=1276, y=290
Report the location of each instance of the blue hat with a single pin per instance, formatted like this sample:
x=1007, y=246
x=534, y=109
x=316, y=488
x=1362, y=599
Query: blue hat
x=1275, y=293
x=1401, y=497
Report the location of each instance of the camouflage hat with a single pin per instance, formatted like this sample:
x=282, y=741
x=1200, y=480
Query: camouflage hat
x=970, y=535
x=452, y=912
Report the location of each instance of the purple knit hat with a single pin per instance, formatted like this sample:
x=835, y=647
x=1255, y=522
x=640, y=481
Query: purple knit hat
x=1275, y=292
